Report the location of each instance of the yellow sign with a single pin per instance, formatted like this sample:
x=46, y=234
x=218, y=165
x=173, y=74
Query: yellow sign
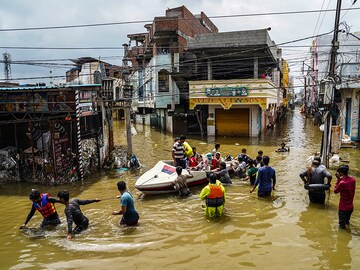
x=226, y=103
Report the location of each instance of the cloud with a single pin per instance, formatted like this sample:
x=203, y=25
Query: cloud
x=23, y=13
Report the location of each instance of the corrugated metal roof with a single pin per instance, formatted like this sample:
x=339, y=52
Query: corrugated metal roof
x=48, y=87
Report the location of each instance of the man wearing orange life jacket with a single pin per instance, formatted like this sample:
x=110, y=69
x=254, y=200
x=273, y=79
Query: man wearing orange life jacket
x=214, y=195
x=44, y=203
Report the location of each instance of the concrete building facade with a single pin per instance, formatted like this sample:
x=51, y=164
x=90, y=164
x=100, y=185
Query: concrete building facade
x=235, y=88
x=347, y=81
x=159, y=75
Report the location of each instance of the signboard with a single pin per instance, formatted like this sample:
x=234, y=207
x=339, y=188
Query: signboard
x=226, y=103
x=87, y=109
x=36, y=101
x=227, y=91
x=87, y=103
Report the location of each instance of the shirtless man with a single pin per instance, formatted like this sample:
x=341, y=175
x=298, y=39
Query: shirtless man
x=180, y=182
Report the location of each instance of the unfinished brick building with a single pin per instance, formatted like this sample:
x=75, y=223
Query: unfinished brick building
x=159, y=71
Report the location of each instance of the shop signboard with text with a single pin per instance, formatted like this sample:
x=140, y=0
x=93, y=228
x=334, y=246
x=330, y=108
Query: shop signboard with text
x=227, y=91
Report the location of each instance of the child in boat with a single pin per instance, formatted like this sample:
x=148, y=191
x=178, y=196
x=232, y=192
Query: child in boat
x=210, y=162
x=200, y=164
x=192, y=162
x=218, y=158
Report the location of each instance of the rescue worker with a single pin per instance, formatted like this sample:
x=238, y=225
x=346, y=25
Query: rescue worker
x=73, y=213
x=214, y=195
x=44, y=203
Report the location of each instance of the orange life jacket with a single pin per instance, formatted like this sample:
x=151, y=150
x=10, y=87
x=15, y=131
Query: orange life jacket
x=216, y=196
x=46, y=208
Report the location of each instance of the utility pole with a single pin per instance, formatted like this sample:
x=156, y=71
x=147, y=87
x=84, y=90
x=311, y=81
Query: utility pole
x=127, y=92
x=305, y=95
x=128, y=97
x=326, y=139
x=7, y=66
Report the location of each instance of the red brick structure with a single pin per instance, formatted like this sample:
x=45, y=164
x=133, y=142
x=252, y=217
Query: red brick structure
x=158, y=75
x=168, y=34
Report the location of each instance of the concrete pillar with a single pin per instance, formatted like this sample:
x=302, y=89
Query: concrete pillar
x=256, y=67
x=335, y=139
x=172, y=92
x=209, y=69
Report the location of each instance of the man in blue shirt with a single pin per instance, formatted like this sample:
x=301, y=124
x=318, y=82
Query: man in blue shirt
x=130, y=215
x=266, y=179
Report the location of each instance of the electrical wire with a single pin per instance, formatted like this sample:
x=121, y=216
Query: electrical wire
x=209, y=57
x=317, y=21
x=148, y=21
x=165, y=94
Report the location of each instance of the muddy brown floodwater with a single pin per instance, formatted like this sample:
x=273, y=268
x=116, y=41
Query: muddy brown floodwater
x=283, y=232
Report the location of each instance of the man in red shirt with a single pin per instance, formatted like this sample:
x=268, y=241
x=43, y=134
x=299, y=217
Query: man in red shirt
x=345, y=185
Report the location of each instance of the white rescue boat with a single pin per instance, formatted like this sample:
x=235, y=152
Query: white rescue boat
x=159, y=179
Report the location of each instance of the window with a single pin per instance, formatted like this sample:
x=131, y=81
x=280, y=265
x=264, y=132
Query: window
x=163, y=81
x=97, y=77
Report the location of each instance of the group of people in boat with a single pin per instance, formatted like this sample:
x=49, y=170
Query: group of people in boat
x=219, y=171
x=45, y=204
x=259, y=173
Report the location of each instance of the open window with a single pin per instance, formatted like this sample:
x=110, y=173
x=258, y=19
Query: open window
x=163, y=80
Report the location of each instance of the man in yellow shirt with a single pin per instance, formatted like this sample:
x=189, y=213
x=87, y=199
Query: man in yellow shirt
x=214, y=195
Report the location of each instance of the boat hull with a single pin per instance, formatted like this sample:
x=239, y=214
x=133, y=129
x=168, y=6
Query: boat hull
x=158, y=180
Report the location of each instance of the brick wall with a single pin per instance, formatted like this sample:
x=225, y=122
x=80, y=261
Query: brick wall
x=182, y=19
x=71, y=75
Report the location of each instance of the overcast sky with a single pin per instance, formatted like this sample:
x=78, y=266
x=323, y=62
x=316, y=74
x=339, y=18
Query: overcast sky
x=39, y=13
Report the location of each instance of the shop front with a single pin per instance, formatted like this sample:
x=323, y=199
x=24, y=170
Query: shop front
x=234, y=107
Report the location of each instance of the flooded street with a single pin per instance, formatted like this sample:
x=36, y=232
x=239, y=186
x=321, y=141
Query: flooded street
x=284, y=232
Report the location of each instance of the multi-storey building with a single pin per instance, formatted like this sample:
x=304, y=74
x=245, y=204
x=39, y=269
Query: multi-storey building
x=236, y=83
x=159, y=71
x=189, y=78
x=347, y=81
